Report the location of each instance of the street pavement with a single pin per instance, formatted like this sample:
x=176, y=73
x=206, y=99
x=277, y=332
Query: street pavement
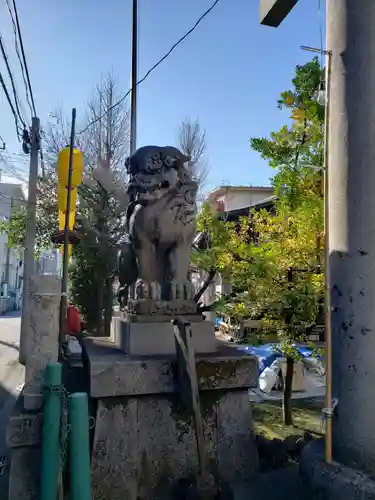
x=11, y=381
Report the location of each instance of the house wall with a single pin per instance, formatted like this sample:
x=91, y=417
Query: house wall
x=237, y=199
x=11, y=197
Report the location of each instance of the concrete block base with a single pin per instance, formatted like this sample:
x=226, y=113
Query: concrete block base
x=334, y=481
x=144, y=447
x=144, y=444
x=112, y=373
x=138, y=338
x=23, y=437
x=24, y=474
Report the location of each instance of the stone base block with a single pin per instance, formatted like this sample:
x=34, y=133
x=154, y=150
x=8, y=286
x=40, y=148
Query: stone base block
x=24, y=428
x=145, y=447
x=157, y=338
x=23, y=437
x=144, y=441
x=334, y=481
x=112, y=373
x=180, y=307
x=24, y=474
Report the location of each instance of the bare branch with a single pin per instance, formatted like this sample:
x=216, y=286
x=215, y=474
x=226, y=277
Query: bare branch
x=192, y=142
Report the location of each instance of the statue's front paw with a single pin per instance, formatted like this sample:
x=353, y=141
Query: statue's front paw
x=182, y=290
x=150, y=290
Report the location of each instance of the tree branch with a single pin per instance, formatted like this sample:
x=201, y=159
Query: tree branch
x=207, y=282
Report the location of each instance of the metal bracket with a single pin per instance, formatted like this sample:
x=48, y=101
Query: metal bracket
x=328, y=412
x=188, y=384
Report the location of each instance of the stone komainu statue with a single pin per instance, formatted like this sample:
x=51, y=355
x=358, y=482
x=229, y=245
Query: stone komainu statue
x=161, y=225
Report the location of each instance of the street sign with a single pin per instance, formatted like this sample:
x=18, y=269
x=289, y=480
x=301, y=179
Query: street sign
x=273, y=12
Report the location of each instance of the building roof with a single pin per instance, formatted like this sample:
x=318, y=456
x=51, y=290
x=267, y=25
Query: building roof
x=12, y=189
x=267, y=203
x=201, y=240
x=223, y=190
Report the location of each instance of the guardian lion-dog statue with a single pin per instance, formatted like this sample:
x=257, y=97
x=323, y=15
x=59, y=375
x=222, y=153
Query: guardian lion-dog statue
x=161, y=225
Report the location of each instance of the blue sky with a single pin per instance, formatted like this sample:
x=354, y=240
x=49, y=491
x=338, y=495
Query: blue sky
x=228, y=73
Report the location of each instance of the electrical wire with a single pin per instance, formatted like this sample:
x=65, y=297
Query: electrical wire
x=321, y=36
x=24, y=56
x=2, y=83
x=200, y=19
x=16, y=100
x=19, y=55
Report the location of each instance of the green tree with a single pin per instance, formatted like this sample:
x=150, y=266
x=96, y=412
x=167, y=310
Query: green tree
x=274, y=261
x=99, y=219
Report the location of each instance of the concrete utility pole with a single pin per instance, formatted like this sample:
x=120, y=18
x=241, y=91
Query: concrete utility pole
x=352, y=228
x=65, y=274
x=29, y=262
x=351, y=208
x=134, y=78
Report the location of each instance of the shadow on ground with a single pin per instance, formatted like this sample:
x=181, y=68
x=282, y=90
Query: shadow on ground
x=8, y=344
x=7, y=402
x=10, y=315
x=307, y=416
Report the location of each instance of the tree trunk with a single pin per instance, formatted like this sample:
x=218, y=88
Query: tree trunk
x=207, y=282
x=99, y=314
x=108, y=308
x=288, y=384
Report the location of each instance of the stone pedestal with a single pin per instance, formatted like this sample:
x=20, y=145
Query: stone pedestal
x=144, y=443
x=44, y=335
x=23, y=438
x=154, y=335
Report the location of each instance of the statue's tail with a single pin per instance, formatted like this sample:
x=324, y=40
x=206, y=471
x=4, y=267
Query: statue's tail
x=127, y=264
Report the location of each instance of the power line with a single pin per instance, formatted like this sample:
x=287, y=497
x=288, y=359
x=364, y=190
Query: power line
x=200, y=19
x=321, y=37
x=2, y=47
x=19, y=55
x=10, y=104
x=24, y=56
x=22, y=61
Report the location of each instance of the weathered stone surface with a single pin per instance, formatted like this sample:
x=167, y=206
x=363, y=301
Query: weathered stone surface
x=149, y=339
x=114, y=456
x=162, y=307
x=334, y=481
x=236, y=445
x=24, y=474
x=162, y=318
x=24, y=429
x=145, y=446
x=112, y=373
x=43, y=330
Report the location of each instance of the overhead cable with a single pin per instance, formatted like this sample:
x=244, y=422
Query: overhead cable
x=200, y=19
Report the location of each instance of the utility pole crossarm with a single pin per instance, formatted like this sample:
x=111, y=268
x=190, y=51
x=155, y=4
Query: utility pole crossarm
x=273, y=12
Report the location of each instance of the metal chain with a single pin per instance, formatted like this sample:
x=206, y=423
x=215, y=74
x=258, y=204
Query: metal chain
x=64, y=425
x=64, y=428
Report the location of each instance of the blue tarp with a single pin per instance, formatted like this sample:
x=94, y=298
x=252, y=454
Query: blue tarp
x=218, y=321
x=267, y=353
